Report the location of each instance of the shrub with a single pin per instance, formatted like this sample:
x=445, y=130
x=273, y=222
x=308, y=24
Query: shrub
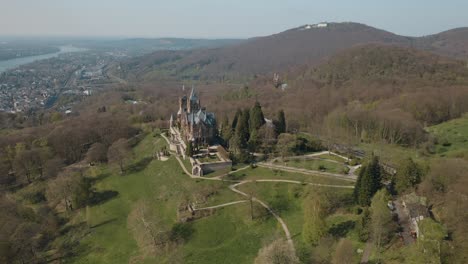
x=181, y=232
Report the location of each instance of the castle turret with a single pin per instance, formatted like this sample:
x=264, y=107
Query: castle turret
x=193, y=103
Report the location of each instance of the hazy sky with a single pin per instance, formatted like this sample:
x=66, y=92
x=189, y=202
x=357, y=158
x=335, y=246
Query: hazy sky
x=220, y=18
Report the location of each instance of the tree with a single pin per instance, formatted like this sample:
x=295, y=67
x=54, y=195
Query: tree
x=431, y=236
x=257, y=118
x=286, y=144
x=368, y=182
x=362, y=225
x=97, y=153
x=119, y=152
x=408, y=175
x=72, y=189
x=278, y=252
x=344, y=252
x=189, y=150
x=235, y=120
x=254, y=141
x=267, y=138
x=382, y=224
x=314, y=220
x=280, y=123
x=226, y=130
x=242, y=129
x=52, y=167
x=27, y=164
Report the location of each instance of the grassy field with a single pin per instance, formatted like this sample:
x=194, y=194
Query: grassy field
x=332, y=157
x=452, y=138
x=228, y=236
x=287, y=201
x=315, y=164
x=265, y=173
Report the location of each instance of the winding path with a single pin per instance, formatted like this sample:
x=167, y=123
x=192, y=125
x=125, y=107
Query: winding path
x=238, y=183
x=220, y=205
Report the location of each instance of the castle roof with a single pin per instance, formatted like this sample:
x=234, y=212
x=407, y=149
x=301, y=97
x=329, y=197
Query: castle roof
x=202, y=116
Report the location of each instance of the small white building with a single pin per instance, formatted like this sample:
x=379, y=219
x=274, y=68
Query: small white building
x=321, y=25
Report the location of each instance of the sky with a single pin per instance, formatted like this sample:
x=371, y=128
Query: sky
x=221, y=18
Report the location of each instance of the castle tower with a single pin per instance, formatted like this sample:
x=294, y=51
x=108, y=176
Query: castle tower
x=193, y=103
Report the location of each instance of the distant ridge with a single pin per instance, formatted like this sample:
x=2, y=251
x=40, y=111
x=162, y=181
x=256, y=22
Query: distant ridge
x=304, y=45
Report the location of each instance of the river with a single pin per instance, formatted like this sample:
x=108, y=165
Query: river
x=14, y=63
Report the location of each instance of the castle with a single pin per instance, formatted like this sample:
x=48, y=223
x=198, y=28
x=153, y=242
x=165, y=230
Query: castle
x=194, y=122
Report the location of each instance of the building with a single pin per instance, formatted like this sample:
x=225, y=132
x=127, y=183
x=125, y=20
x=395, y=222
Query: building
x=416, y=209
x=195, y=124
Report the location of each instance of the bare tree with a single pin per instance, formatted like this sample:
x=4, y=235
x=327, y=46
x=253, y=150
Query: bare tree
x=278, y=252
x=119, y=153
x=97, y=153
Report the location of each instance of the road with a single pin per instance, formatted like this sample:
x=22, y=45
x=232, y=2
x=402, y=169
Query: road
x=404, y=221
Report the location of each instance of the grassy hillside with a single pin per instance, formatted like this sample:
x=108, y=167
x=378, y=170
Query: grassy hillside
x=451, y=138
x=229, y=236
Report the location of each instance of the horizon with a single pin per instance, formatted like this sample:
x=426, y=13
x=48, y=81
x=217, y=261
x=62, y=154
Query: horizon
x=129, y=37
x=210, y=19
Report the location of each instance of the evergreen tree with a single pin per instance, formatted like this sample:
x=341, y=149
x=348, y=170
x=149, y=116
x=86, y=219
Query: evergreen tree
x=314, y=216
x=189, y=150
x=382, y=225
x=408, y=175
x=256, y=117
x=236, y=119
x=226, y=130
x=254, y=141
x=280, y=123
x=368, y=182
x=362, y=225
x=242, y=129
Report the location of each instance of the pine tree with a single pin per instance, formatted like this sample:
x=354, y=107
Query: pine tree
x=368, y=182
x=226, y=130
x=314, y=226
x=236, y=119
x=280, y=123
x=257, y=118
x=189, y=150
x=408, y=175
x=242, y=129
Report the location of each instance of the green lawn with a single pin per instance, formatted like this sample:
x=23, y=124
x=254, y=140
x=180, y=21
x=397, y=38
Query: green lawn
x=452, y=138
x=228, y=236
x=332, y=157
x=287, y=201
x=209, y=158
x=266, y=173
x=314, y=164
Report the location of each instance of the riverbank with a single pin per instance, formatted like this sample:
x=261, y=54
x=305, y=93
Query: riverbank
x=14, y=63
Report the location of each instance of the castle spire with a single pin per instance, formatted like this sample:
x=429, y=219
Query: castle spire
x=192, y=93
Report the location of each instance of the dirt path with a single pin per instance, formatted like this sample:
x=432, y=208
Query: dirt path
x=366, y=253
x=237, y=183
x=404, y=222
x=220, y=205
x=278, y=218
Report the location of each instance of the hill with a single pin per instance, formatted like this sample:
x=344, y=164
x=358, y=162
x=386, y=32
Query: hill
x=452, y=43
x=142, y=46
x=305, y=45
x=386, y=63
